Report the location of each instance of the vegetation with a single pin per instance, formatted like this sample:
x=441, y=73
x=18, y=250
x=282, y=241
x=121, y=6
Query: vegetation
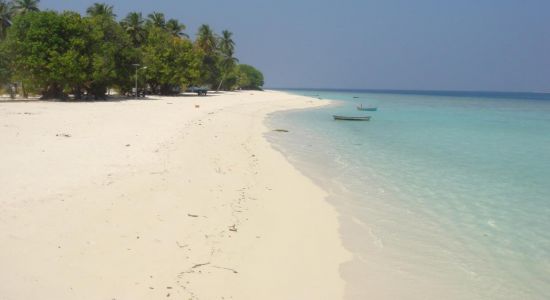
x=5, y=22
x=134, y=25
x=101, y=9
x=22, y=7
x=249, y=77
x=49, y=51
x=67, y=55
x=206, y=44
x=6, y=13
x=111, y=57
x=228, y=61
x=171, y=62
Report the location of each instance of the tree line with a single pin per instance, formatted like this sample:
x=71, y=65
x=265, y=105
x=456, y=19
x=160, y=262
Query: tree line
x=57, y=54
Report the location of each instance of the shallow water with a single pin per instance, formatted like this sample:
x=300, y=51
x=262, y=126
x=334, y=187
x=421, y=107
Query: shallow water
x=440, y=194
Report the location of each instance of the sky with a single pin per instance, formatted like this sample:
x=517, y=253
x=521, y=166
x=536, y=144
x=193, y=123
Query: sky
x=479, y=45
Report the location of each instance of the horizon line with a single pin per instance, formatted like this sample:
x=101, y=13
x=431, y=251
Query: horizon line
x=386, y=90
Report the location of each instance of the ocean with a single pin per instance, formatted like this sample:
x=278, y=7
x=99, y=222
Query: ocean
x=440, y=195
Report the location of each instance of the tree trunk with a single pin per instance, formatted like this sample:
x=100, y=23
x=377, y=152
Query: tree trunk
x=154, y=87
x=12, y=91
x=53, y=91
x=24, y=91
x=99, y=91
x=77, y=94
x=219, y=85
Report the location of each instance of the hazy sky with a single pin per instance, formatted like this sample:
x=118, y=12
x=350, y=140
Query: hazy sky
x=384, y=44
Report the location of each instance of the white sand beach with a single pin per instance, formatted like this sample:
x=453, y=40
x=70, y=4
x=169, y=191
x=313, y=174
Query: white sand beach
x=171, y=197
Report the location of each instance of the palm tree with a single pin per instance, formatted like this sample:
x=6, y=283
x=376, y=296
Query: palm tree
x=206, y=39
x=227, y=49
x=227, y=65
x=134, y=26
x=5, y=18
x=175, y=28
x=227, y=45
x=22, y=7
x=101, y=9
x=157, y=19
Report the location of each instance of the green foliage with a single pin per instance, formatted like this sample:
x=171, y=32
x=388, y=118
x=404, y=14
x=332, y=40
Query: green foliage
x=230, y=79
x=21, y=7
x=134, y=25
x=49, y=51
x=5, y=70
x=6, y=14
x=206, y=44
x=226, y=44
x=206, y=40
x=111, y=56
x=101, y=9
x=171, y=61
x=60, y=54
x=226, y=48
x=250, y=78
x=64, y=53
x=156, y=19
x=175, y=28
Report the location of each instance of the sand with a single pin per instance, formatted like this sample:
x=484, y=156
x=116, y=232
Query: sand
x=171, y=197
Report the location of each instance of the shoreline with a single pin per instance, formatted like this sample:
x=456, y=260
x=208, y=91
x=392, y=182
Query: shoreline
x=398, y=215
x=161, y=199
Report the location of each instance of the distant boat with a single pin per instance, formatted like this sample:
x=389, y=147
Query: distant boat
x=367, y=108
x=344, y=118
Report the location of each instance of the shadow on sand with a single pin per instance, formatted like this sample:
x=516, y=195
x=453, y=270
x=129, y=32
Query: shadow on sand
x=112, y=98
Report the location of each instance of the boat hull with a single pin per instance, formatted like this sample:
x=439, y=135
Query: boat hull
x=367, y=108
x=344, y=118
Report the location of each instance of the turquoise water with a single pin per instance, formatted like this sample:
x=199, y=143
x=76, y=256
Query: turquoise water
x=440, y=195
